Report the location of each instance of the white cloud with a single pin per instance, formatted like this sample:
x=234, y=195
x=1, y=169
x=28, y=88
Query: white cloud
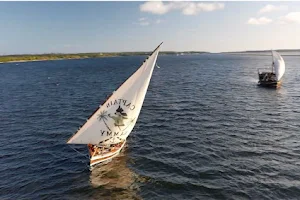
x=155, y=7
x=259, y=21
x=145, y=22
x=187, y=8
x=271, y=8
x=208, y=7
x=292, y=17
x=195, y=8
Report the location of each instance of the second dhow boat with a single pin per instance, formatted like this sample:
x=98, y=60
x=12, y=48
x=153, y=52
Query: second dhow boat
x=106, y=131
x=273, y=78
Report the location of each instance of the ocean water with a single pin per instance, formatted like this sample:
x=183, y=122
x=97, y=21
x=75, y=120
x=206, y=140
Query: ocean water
x=206, y=131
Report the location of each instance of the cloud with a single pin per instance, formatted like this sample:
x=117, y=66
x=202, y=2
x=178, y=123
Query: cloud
x=292, y=17
x=271, y=8
x=186, y=8
x=145, y=22
x=195, y=8
x=259, y=21
x=155, y=7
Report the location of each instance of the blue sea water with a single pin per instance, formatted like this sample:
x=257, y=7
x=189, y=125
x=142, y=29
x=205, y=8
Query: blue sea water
x=206, y=131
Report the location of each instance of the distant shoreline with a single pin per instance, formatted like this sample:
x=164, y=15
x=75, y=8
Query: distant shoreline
x=264, y=51
x=22, y=61
x=53, y=57
x=46, y=57
x=257, y=54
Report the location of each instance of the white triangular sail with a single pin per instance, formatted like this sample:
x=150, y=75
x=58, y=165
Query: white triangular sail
x=115, y=119
x=279, y=65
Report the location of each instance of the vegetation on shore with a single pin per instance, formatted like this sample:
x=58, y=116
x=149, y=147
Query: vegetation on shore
x=59, y=56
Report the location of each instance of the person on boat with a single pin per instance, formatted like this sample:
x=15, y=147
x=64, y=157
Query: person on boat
x=92, y=149
x=112, y=147
x=97, y=150
x=90, y=146
x=119, y=144
x=102, y=150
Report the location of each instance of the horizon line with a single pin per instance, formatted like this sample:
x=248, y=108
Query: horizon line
x=166, y=51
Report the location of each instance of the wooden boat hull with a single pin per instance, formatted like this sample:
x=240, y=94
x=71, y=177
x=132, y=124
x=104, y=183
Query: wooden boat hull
x=105, y=157
x=269, y=84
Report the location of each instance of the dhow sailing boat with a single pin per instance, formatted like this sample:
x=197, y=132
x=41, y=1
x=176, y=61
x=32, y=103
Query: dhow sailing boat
x=273, y=79
x=105, y=132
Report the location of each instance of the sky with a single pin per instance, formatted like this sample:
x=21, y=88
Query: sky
x=74, y=27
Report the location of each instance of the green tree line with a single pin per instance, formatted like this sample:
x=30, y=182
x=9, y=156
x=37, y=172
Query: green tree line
x=55, y=56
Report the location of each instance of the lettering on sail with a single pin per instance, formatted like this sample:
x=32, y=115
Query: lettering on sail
x=121, y=103
x=110, y=133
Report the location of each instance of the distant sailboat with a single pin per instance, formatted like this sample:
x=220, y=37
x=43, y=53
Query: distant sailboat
x=273, y=78
x=106, y=131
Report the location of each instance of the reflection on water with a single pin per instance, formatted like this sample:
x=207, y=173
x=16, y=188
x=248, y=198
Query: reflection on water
x=115, y=180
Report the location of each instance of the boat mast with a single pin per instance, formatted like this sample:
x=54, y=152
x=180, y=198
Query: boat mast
x=272, y=61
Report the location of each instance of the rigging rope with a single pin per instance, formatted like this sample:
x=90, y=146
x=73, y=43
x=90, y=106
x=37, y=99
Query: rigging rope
x=80, y=153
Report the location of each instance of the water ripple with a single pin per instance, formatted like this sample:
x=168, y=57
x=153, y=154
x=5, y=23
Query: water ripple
x=206, y=131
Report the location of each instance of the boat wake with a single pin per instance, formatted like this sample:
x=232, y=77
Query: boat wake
x=115, y=180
